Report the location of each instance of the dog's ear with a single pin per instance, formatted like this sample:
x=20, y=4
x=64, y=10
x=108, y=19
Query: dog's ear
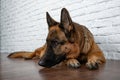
x=66, y=24
x=66, y=20
x=50, y=20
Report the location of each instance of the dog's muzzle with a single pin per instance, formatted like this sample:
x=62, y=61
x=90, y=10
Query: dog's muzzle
x=49, y=61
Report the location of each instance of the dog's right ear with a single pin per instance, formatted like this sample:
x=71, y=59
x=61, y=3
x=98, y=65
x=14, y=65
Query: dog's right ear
x=50, y=20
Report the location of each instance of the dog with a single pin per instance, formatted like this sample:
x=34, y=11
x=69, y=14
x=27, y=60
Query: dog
x=67, y=42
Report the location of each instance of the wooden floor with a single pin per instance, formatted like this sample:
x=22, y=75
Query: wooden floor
x=20, y=69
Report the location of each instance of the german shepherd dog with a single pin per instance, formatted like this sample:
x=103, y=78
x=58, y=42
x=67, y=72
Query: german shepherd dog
x=67, y=42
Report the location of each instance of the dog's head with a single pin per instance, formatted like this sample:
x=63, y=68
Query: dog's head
x=59, y=38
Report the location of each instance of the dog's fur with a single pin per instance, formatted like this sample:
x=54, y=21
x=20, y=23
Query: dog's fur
x=66, y=41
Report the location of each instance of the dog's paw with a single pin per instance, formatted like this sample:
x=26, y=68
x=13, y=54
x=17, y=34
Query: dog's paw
x=92, y=64
x=73, y=63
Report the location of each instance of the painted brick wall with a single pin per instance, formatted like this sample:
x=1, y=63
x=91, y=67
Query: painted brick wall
x=23, y=23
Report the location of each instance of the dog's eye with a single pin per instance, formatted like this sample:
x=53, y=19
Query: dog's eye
x=54, y=43
x=62, y=42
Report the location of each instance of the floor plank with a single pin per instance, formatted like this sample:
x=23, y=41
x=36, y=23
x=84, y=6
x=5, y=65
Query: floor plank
x=20, y=69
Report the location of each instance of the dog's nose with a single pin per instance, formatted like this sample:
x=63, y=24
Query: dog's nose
x=41, y=63
x=47, y=63
x=44, y=63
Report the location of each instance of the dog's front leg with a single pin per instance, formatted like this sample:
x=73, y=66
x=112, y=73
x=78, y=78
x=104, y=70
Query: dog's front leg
x=94, y=58
x=71, y=57
x=71, y=51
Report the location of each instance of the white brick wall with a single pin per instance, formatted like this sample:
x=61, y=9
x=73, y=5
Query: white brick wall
x=23, y=23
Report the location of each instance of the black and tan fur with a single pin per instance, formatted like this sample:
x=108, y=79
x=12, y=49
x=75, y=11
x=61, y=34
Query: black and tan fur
x=66, y=41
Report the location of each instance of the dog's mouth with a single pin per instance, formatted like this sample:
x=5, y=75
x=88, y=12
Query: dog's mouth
x=48, y=61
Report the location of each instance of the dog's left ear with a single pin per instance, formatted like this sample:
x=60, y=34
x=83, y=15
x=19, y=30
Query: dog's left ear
x=67, y=24
x=66, y=20
x=50, y=20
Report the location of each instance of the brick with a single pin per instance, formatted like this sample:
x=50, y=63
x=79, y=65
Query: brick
x=114, y=39
x=110, y=47
x=101, y=39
